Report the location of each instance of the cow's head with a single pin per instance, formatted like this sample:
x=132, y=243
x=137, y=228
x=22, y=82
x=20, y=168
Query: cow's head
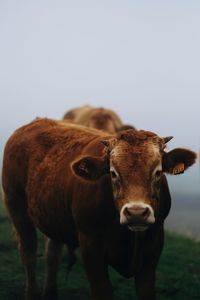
x=136, y=162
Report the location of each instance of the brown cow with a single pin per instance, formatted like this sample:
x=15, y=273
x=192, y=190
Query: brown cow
x=99, y=118
x=81, y=186
x=96, y=117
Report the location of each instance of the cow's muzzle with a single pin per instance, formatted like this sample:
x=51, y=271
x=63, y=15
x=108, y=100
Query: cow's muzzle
x=137, y=216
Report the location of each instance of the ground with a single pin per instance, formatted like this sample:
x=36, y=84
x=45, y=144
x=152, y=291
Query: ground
x=178, y=274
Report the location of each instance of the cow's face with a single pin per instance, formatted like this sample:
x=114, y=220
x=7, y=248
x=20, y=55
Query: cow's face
x=136, y=171
x=137, y=161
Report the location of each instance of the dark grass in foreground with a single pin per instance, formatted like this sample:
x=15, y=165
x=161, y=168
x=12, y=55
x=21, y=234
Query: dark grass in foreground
x=178, y=274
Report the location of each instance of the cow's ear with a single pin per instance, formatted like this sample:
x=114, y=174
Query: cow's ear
x=178, y=160
x=90, y=168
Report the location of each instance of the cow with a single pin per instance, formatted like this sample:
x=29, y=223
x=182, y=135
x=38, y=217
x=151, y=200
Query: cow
x=96, y=117
x=99, y=118
x=105, y=193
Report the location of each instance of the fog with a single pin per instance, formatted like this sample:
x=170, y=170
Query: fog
x=139, y=58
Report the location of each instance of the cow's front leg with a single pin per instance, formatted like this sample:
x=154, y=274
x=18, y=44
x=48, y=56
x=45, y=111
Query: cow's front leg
x=96, y=267
x=53, y=251
x=145, y=284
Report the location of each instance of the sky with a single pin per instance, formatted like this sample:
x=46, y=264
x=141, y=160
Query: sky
x=139, y=58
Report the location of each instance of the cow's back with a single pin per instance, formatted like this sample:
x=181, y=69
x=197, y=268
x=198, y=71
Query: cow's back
x=95, y=117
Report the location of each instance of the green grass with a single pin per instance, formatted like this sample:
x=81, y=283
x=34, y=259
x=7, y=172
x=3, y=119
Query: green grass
x=178, y=274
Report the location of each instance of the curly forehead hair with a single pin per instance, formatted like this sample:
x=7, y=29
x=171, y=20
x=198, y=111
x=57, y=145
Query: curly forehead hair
x=137, y=136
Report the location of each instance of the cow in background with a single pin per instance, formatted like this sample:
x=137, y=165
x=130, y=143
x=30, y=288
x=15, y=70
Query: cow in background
x=106, y=193
x=96, y=117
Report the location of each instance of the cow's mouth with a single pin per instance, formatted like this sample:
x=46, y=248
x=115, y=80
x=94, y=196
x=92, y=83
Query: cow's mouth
x=137, y=227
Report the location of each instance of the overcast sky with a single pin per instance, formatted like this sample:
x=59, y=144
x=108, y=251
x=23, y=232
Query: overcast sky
x=139, y=58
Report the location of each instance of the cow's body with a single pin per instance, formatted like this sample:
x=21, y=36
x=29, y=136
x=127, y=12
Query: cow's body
x=96, y=117
x=42, y=191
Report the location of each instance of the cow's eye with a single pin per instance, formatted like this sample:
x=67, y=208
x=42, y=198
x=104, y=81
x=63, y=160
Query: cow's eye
x=158, y=174
x=113, y=174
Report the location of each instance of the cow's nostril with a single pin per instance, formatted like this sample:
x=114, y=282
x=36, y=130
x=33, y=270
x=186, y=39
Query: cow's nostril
x=145, y=212
x=127, y=212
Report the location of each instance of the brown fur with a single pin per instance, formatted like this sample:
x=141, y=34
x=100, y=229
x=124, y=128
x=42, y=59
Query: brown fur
x=96, y=117
x=56, y=178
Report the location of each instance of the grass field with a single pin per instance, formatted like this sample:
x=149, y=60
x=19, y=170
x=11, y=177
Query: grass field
x=178, y=274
